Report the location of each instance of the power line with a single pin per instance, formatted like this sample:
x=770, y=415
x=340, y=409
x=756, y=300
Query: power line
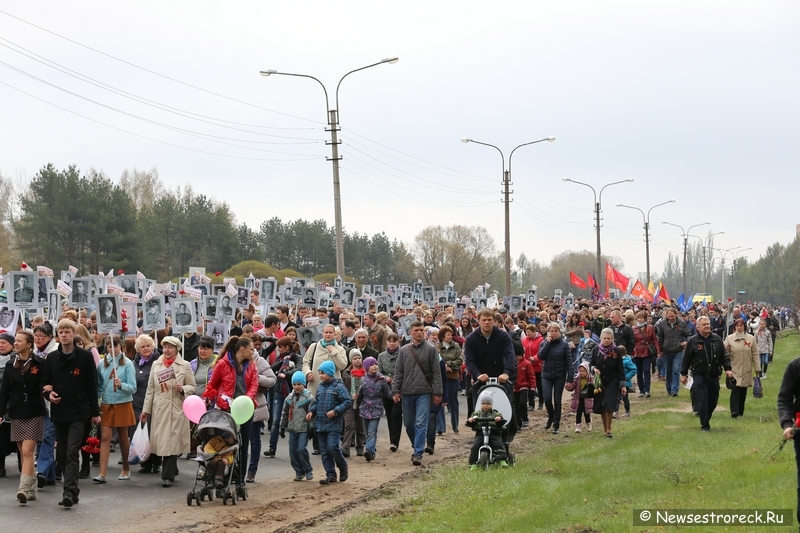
x=150, y=138
x=154, y=72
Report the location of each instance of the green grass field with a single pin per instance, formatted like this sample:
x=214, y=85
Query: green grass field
x=658, y=459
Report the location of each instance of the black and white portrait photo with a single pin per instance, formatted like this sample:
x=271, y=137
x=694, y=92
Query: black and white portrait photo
x=218, y=332
x=377, y=290
x=441, y=297
x=9, y=318
x=45, y=285
x=183, y=315
x=97, y=286
x=80, y=295
x=196, y=275
x=481, y=303
x=347, y=296
x=23, y=290
x=381, y=304
x=154, y=317
x=66, y=276
x=337, y=281
x=406, y=300
x=242, y=297
x=405, y=324
x=128, y=283
x=427, y=294
x=297, y=287
x=531, y=299
x=569, y=302
x=452, y=297
x=210, y=307
x=108, y=317
x=417, y=287
x=310, y=296
x=217, y=288
x=250, y=283
x=366, y=290
x=267, y=289
x=515, y=304
x=362, y=306
x=306, y=337
x=202, y=287
x=225, y=308
x=324, y=299
x=459, y=311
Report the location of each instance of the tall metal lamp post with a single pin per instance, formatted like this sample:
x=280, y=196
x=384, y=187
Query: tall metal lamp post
x=685, y=235
x=506, y=182
x=333, y=127
x=646, y=220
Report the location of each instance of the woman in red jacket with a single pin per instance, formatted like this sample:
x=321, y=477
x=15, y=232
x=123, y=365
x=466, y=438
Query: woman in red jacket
x=644, y=335
x=533, y=339
x=235, y=375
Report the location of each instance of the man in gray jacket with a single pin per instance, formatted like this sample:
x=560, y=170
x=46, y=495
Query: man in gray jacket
x=417, y=376
x=672, y=335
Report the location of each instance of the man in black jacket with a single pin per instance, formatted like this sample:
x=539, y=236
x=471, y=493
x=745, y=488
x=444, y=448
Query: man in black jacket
x=706, y=356
x=69, y=381
x=788, y=408
x=623, y=333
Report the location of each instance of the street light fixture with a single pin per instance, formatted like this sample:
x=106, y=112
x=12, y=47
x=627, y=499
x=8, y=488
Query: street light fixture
x=598, y=198
x=646, y=220
x=685, y=235
x=333, y=127
x=506, y=182
x=724, y=254
x=706, y=244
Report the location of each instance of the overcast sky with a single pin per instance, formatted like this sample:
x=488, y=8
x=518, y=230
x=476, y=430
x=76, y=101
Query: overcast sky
x=696, y=101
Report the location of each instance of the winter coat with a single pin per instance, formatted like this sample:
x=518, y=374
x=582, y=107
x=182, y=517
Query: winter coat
x=492, y=356
x=331, y=396
x=763, y=341
x=409, y=378
x=531, y=347
x=386, y=363
x=281, y=366
x=643, y=337
x=452, y=356
x=295, y=408
x=315, y=356
x=789, y=394
x=21, y=394
x=743, y=353
x=557, y=359
x=222, y=386
x=630, y=370
x=697, y=358
x=373, y=391
x=201, y=380
x=142, y=372
x=526, y=377
x=266, y=380
x=169, y=427
x=576, y=395
x=73, y=377
x=105, y=378
x=670, y=336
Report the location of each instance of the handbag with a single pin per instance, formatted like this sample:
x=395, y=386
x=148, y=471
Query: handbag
x=587, y=391
x=731, y=383
x=758, y=390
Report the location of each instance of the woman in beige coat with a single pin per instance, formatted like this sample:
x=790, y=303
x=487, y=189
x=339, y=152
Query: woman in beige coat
x=742, y=349
x=171, y=380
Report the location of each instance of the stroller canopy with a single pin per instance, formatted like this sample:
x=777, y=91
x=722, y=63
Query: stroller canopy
x=219, y=420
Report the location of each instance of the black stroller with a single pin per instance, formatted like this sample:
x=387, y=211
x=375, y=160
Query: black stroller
x=216, y=423
x=503, y=404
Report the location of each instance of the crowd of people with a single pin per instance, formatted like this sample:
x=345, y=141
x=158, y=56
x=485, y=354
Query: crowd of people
x=73, y=394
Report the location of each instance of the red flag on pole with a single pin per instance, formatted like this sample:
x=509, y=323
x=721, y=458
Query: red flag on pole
x=591, y=281
x=662, y=294
x=609, y=275
x=574, y=279
x=639, y=291
x=620, y=280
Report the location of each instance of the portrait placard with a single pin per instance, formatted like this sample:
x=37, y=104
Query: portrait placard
x=514, y=304
x=362, y=306
x=109, y=319
x=154, y=316
x=405, y=324
x=569, y=302
x=382, y=304
x=366, y=290
x=53, y=305
x=66, y=276
x=202, y=287
x=406, y=300
x=218, y=288
x=531, y=298
x=128, y=318
x=196, y=275
x=459, y=310
x=22, y=290
x=324, y=299
x=45, y=285
x=225, y=310
x=297, y=287
x=219, y=332
x=337, y=281
x=350, y=285
x=377, y=290
x=183, y=315
x=481, y=303
x=9, y=319
x=129, y=283
x=417, y=287
x=452, y=297
x=268, y=289
x=310, y=296
x=210, y=307
x=441, y=297
x=428, y=293
x=307, y=336
x=242, y=297
x=391, y=289
x=348, y=294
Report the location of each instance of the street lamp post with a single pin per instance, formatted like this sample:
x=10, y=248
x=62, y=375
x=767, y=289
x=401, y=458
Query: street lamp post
x=685, y=235
x=646, y=220
x=333, y=127
x=706, y=244
x=598, y=198
x=724, y=254
x=506, y=183
x=733, y=270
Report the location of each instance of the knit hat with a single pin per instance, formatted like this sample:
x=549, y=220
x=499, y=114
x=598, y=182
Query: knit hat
x=486, y=397
x=368, y=362
x=298, y=377
x=353, y=353
x=8, y=338
x=328, y=367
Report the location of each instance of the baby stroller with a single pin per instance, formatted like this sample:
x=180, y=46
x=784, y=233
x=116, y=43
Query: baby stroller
x=502, y=403
x=212, y=424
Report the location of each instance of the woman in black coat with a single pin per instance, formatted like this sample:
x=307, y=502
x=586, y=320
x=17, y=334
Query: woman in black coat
x=556, y=356
x=610, y=378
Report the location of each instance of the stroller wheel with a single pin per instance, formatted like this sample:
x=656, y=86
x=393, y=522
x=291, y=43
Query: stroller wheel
x=189, y=498
x=241, y=492
x=210, y=494
x=233, y=497
x=483, y=460
x=198, y=498
x=225, y=498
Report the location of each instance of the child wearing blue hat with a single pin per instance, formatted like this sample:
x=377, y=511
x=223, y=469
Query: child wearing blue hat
x=296, y=410
x=333, y=400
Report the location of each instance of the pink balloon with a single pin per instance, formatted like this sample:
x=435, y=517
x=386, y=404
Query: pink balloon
x=193, y=408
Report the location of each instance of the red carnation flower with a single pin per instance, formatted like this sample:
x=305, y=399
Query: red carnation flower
x=181, y=291
x=219, y=274
x=24, y=265
x=120, y=272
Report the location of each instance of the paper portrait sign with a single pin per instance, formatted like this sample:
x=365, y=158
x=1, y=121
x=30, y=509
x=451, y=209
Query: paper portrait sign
x=45, y=286
x=362, y=306
x=351, y=285
x=429, y=294
x=154, y=317
x=129, y=318
x=219, y=332
x=337, y=281
x=218, y=288
x=297, y=287
x=441, y=297
x=53, y=304
x=183, y=315
x=348, y=296
x=307, y=336
x=417, y=287
x=129, y=283
x=9, y=318
x=531, y=298
x=406, y=300
x=377, y=290
x=109, y=319
x=22, y=290
x=196, y=275
x=557, y=297
x=452, y=297
x=66, y=276
x=268, y=289
x=225, y=308
x=242, y=297
x=405, y=323
x=514, y=304
x=482, y=303
x=366, y=290
x=250, y=282
x=569, y=302
x=459, y=310
x=391, y=289
x=324, y=299
x=310, y=296
x=210, y=307
x=382, y=304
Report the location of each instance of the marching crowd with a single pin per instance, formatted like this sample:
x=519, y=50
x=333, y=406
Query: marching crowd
x=72, y=395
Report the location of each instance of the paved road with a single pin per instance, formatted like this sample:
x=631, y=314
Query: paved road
x=119, y=503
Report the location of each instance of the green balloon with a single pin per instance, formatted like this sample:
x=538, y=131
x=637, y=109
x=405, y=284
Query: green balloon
x=242, y=409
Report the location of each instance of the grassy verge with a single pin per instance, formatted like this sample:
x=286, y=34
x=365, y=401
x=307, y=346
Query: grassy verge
x=658, y=459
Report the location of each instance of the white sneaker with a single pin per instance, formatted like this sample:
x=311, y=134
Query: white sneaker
x=201, y=472
x=577, y=428
x=589, y=426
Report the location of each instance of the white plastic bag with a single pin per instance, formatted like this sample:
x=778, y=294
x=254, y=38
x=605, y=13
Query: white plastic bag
x=140, y=445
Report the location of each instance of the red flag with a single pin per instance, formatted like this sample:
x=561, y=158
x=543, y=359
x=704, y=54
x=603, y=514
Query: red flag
x=574, y=279
x=609, y=275
x=608, y=294
x=662, y=294
x=592, y=282
x=638, y=290
x=621, y=281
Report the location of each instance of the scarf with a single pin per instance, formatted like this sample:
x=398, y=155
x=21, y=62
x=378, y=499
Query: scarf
x=143, y=361
x=607, y=351
x=168, y=362
x=325, y=343
x=358, y=372
x=390, y=352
